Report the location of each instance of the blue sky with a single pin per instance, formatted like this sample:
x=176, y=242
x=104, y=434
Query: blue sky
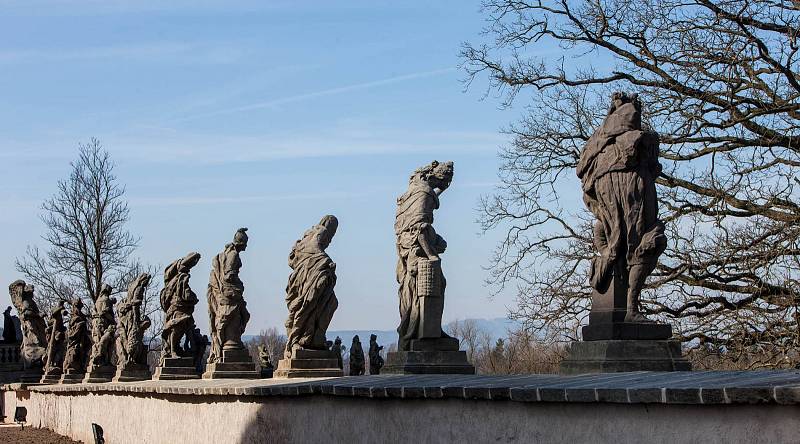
x=268, y=116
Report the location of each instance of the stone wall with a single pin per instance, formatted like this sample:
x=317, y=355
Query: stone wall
x=754, y=408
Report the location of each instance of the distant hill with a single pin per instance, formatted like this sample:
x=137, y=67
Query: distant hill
x=496, y=327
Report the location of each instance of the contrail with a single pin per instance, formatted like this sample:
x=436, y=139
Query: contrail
x=312, y=95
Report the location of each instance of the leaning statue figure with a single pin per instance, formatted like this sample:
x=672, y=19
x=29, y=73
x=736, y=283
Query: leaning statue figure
x=309, y=293
x=178, y=301
x=34, y=337
x=131, y=326
x=419, y=270
x=618, y=168
x=79, y=343
x=227, y=308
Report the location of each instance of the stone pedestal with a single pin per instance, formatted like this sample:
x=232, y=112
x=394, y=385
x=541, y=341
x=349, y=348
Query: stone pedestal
x=612, y=345
x=309, y=364
x=102, y=373
x=176, y=368
x=72, y=377
x=609, y=356
x=31, y=376
x=234, y=364
x=53, y=377
x=429, y=356
x=131, y=373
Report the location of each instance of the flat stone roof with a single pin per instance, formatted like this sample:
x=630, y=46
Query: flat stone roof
x=698, y=387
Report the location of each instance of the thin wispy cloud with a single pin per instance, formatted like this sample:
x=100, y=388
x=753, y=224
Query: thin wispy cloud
x=217, y=200
x=317, y=94
x=158, y=51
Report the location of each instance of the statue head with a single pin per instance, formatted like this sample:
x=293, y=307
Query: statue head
x=190, y=260
x=356, y=340
x=105, y=290
x=329, y=224
x=7, y=310
x=240, y=239
x=373, y=337
x=438, y=175
x=338, y=341
x=77, y=304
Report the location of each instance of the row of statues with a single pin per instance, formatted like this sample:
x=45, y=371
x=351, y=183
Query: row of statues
x=106, y=338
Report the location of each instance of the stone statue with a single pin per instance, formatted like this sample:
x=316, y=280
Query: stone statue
x=196, y=343
x=178, y=301
x=419, y=270
x=309, y=293
x=356, y=357
x=56, y=345
x=618, y=168
x=9, y=329
x=104, y=326
x=338, y=348
x=227, y=308
x=265, y=362
x=78, y=341
x=131, y=326
x=34, y=337
x=375, y=358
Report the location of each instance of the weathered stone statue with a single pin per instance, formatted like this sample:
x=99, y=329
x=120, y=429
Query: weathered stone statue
x=618, y=168
x=197, y=343
x=422, y=283
x=265, y=362
x=34, y=338
x=419, y=270
x=356, y=357
x=9, y=329
x=311, y=301
x=56, y=346
x=79, y=344
x=375, y=358
x=228, y=314
x=104, y=327
x=177, y=301
x=337, y=349
x=131, y=326
x=309, y=293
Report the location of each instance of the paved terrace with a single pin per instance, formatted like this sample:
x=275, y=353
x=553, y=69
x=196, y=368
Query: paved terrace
x=700, y=388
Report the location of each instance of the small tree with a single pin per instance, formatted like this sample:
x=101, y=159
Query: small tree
x=87, y=241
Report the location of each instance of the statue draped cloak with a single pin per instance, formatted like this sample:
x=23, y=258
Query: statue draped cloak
x=618, y=168
x=226, y=304
x=179, y=308
x=78, y=343
x=310, y=294
x=34, y=327
x=414, y=217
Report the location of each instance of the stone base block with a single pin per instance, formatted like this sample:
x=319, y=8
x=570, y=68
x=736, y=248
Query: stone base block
x=434, y=344
x=131, y=373
x=428, y=362
x=235, y=363
x=309, y=364
x=71, y=377
x=175, y=369
x=51, y=377
x=624, y=356
x=31, y=376
x=102, y=373
x=626, y=330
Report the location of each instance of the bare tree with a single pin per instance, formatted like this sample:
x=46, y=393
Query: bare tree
x=720, y=82
x=87, y=241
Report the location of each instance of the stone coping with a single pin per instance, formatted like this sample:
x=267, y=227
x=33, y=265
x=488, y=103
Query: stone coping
x=699, y=387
